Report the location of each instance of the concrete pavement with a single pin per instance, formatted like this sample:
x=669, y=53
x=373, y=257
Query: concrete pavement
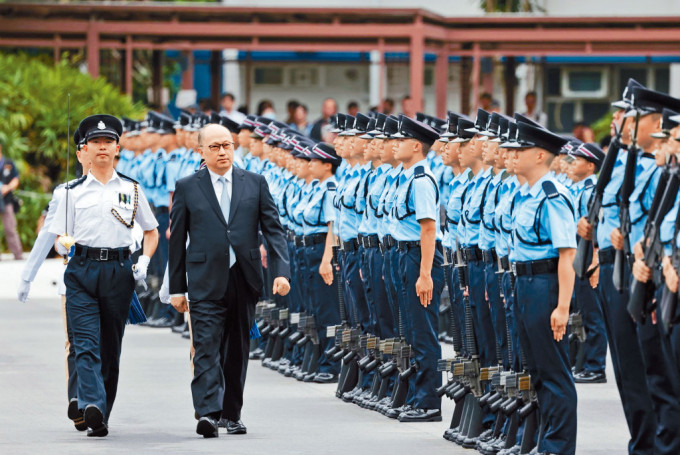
x=153, y=411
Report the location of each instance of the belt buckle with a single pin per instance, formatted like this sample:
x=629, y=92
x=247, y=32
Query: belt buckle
x=104, y=254
x=513, y=267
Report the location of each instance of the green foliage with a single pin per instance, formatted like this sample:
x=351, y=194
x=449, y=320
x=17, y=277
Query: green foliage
x=34, y=112
x=601, y=128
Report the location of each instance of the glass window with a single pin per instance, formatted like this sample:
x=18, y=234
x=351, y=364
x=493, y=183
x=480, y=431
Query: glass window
x=662, y=80
x=268, y=75
x=585, y=81
x=560, y=116
x=594, y=110
x=639, y=74
x=553, y=82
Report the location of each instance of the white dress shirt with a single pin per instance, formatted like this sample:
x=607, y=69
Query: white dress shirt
x=235, y=115
x=217, y=185
x=90, y=219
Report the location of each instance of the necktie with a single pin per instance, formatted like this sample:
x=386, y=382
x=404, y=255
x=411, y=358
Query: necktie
x=225, y=204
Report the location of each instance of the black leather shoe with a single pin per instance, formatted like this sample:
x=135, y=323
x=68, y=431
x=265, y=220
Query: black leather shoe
x=309, y=377
x=394, y=413
x=207, y=427
x=76, y=415
x=290, y=371
x=180, y=328
x=257, y=354
x=236, y=427
x=326, y=378
x=162, y=323
x=186, y=334
x=94, y=419
x=590, y=377
x=421, y=415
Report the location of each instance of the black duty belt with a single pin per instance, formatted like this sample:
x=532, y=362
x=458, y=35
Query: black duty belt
x=472, y=254
x=103, y=254
x=350, y=245
x=606, y=255
x=299, y=240
x=403, y=246
x=387, y=243
x=505, y=263
x=489, y=256
x=535, y=267
x=160, y=209
x=314, y=239
x=451, y=256
x=369, y=241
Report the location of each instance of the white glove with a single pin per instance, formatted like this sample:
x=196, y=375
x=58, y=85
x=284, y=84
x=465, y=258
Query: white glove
x=61, y=249
x=139, y=269
x=24, y=289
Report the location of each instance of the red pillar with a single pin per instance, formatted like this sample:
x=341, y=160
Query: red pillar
x=188, y=73
x=441, y=80
x=93, y=50
x=417, y=63
x=128, y=64
x=476, y=62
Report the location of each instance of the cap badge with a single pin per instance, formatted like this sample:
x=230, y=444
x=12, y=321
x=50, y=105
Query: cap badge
x=101, y=125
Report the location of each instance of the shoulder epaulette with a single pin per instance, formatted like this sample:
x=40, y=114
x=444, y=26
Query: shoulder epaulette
x=550, y=189
x=419, y=171
x=471, y=175
x=331, y=186
x=123, y=176
x=76, y=182
x=589, y=184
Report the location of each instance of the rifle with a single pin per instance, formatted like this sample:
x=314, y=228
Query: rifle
x=577, y=339
x=669, y=302
x=624, y=218
x=595, y=204
x=640, y=293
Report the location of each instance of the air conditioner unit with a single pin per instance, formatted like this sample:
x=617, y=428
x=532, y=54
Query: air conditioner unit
x=304, y=77
x=585, y=82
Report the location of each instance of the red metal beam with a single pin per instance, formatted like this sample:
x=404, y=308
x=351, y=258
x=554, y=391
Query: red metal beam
x=416, y=63
x=542, y=35
x=441, y=80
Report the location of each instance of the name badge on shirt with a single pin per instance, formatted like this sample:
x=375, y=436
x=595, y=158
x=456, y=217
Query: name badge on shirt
x=125, y=201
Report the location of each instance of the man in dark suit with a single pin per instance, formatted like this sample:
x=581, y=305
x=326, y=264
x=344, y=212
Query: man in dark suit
x=222, y=210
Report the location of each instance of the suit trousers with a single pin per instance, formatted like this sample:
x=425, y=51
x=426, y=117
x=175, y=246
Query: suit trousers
x=220, y=331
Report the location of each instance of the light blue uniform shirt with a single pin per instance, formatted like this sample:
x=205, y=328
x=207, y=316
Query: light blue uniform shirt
x=161, y=193
x=647, y=175
x=298, y=206
x=552, y=219
x=667, y=228
x=454, y=207
x=124, y=161
x=468, y=228
x=487, y=229
x=319, y=211
x=387, y=199
x=349, y=219
x=581, y=193
x=145, y=174
x=290, y=198
x=610, y=202
x=417, y=198
x=376, y=182
x=382, y=213
x=190, y=164
x=503, y=216
x=172, y=168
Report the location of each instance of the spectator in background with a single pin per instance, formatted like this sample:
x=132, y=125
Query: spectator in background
x=605, y=142
x=206, y=106
x=265, y=108
x=485, y=101
x=228, y=104
x=300, y=122
x=408, y=106
x=495, y=106
x=9, y=181
x=388, y=106
x=290, y=107
x=329, y=107
x=583, y=132
x=530, y=99
x=353, y=108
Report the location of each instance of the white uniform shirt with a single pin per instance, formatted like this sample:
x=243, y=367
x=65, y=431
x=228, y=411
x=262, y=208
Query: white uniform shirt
x=217, y=185
x=90, y=218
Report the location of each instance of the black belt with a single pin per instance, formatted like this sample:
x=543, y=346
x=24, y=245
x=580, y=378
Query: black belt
x=314, y=239
x=299, y=240
x=472, y=254
x=505, y=263
x=403, y=246
x=369, y=241
x=535, y=267
x=451, y=256
x=489, y=256
x=160, y=209
x=350, y=245
x=606, y=255
x=103, y=254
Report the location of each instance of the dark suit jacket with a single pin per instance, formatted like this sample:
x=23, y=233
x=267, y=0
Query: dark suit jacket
x=205, y=263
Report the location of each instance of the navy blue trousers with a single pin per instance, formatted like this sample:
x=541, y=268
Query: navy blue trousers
x=71, y=374
x=424, y=335
x=663, y=383
x=391, y=288
x=457, y=304
x=595, y=352
x=98, y=296
x=481, y=315
x=497, y=312
x=628, y=364
x=548, y=363
x=323, y=300
x=514, y=349
x=160, y=259
x=384, y=319
x=354, y=289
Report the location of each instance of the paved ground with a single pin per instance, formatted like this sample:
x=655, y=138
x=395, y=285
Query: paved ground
x=153, y=411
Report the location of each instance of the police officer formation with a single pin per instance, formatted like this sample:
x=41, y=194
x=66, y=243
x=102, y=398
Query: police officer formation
x=529, y=251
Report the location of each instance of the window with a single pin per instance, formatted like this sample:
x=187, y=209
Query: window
x=268, y=75
x=584, y=83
